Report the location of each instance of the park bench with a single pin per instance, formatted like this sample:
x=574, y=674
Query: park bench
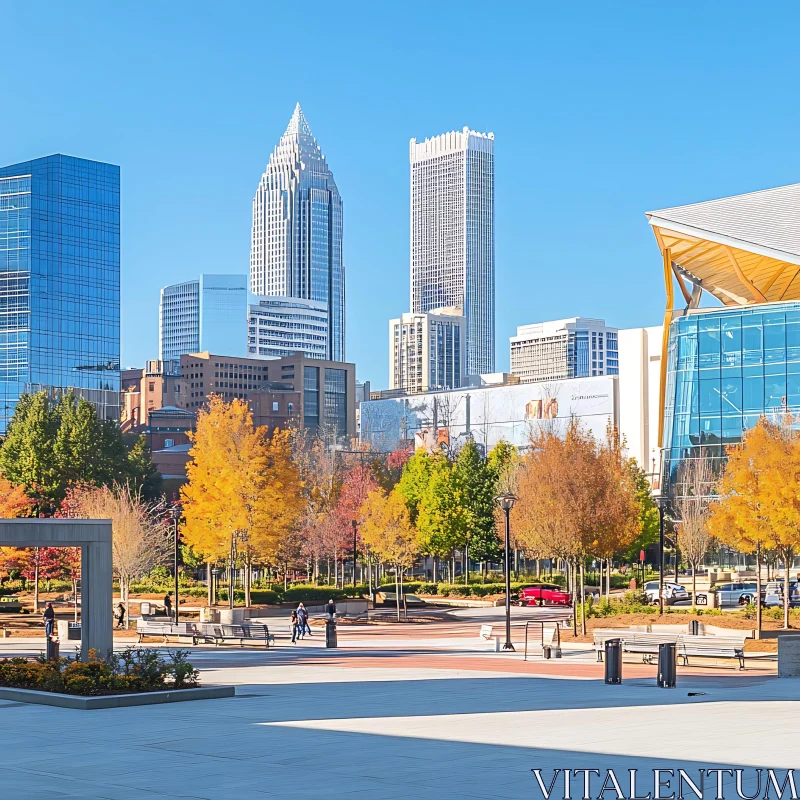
x=647, y=644
x=602, y=634
x=246, y=632
x=164, y=630
x=711, y=647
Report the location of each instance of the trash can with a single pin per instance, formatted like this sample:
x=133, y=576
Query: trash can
x=613, y=656
x=144, y=609
x=330, y=633
x=52, y=648
x=547, y=651
x=667, y=665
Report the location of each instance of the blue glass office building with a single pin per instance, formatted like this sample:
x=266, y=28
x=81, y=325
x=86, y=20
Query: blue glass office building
x=59, y=281
x=725, y=369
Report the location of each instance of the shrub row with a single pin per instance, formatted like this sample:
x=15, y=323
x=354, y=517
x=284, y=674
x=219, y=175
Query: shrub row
x=132, y=670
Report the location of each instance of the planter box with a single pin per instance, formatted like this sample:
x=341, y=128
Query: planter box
x=114, y=700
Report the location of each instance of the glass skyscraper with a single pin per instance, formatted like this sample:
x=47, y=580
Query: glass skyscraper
x=60, y=282
x=296, y=249
x=205, y=314
x=726, y=368
x=452, y=235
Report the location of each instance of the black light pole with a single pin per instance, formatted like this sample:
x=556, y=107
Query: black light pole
x=355, y=528
x=662, y=501
x=176, y=516
x=506, y=502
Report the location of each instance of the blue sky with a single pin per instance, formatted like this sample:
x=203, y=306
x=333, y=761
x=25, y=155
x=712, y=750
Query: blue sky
x=601, y=111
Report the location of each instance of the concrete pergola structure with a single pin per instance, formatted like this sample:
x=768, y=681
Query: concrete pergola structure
x=93, y=536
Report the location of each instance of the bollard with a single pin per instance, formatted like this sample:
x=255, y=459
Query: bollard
x=330, y=633
x=694, y=627
x=613, y=658
x=667, y=665
x=52, y=649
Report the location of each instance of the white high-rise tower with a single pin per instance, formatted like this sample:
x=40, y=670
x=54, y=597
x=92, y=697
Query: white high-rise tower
x=296, y=249
x=452, y=234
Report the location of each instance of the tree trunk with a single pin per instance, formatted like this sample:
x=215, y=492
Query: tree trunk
x=435, y=570
x=248, y=577
x=583, y=600
x=572, y=569
x=694, y=583
x=209, y=581
x=466, y=564
x=758, y=590
x=397, y=590
x=787, y=560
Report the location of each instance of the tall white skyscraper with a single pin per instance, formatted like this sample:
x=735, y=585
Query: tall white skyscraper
x=452, y=234
x=209, y=313
x=296, y=249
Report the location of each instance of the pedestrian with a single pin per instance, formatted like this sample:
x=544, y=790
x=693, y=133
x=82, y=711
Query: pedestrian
x=330, y=609
x=295, y=626
x=168, y=604
x=120, y=616
x=302, y=620
x=49, y=620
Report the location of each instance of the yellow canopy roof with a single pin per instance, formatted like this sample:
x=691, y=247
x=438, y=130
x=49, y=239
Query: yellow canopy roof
x=743, y=249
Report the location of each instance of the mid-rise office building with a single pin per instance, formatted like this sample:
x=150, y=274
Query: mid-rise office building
x=146, y=390
x=283, y=326
x=204, y=314
x=60, y=282
x=452, y=235
x=309, y=392
x=296, y=248
x=565, y=348
x=427, y=350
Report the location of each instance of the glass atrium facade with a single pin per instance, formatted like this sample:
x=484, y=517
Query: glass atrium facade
x=59, y=282
x=725, y=369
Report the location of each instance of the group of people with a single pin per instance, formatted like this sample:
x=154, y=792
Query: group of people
x=299, y=620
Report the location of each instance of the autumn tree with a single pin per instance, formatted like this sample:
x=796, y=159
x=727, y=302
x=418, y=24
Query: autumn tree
x=13, y=500
x=692, y=511
x=139, y=538
x=759, y=495
x=388, y=532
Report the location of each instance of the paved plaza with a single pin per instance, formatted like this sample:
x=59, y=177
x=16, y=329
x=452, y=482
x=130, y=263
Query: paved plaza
x=374, y=719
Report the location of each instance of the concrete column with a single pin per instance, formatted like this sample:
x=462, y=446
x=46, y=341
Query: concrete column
x=96, y=598
x=788, y=656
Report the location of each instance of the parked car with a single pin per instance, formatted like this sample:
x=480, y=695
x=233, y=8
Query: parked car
x=733, y=594
x=773, y=595
x=673, y=592
x=388, y=597
x=544, y=594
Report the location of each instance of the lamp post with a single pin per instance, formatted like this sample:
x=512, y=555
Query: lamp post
x=216, y=572
x=506, y=502
x=355, y=543
x=662, y=501
x=176, y=517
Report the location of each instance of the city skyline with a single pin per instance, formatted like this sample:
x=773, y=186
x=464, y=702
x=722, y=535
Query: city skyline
x=584, y=144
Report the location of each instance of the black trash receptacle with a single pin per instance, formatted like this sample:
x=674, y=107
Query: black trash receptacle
x=694, y=627
x=667, y=665
x=330, y=633
x=52, y=649
x=613, y=656
x=547, y=651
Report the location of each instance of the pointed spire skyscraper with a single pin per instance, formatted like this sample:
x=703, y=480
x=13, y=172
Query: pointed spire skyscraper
x=296, y=248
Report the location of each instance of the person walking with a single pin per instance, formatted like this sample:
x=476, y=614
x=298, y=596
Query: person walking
x=168, y=604
x=295, y=626
x=330, y=609
x=49, y=620
x=120, y=616
x=302, y=621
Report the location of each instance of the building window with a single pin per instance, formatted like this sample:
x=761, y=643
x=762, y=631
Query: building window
x=169, y=442
x=336, y=399
x=274, y=405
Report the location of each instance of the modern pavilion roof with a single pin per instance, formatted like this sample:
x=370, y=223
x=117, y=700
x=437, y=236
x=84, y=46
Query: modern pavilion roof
x=743, y=249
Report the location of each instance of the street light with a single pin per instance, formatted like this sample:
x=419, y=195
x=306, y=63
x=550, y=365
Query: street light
x=506, y=502
x=176, y=516
x=663, y=502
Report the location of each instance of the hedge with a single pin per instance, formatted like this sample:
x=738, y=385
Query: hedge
x=459, y=589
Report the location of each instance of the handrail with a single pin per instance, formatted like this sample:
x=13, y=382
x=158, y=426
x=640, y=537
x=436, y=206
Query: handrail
x=541, y=622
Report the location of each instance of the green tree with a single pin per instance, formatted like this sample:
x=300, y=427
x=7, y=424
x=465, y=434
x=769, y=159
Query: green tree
x=414, y=481
x=648, y=512
x=441, y=520
x=143, y=475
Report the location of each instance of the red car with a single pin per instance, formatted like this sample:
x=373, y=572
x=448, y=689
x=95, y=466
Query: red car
x=544, y=594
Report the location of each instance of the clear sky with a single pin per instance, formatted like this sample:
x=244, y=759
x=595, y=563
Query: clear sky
x=601, y=111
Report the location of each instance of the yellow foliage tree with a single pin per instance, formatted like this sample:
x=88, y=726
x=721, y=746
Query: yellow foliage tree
x=387, y=531
x=759, y=495
x=243, y=491
x=13, y=500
